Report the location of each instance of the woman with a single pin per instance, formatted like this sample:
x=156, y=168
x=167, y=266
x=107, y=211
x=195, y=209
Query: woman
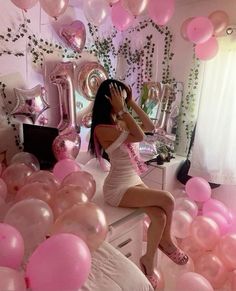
x=114, y=131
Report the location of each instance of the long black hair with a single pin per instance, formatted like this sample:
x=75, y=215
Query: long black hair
x=102, y=109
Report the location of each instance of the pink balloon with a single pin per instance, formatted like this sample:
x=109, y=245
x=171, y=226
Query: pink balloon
x=181, y=223
x=199, y=29
x=11, y=246
x=26, y=158
x=216, y=206
x=11, y=279
x=233, y=280
x=220, y=220
x=24, y=4
x=135, y=7
x=227, y=250
x=1, y=168
x=54, y=8
x=191, y=248
x=32, y=218
x=161, y=11
x=64, y=167
x=205, y=232
x=45, y=177
x=198, y=189
x=3, y=189
x=86, y=220
x=96, y=11
x=66, y=197
x=183, y=29
x=36, y=190
x=194, y=282
x=74, y=35
x=15, y=177
x=220, y=21
x=187, y=205
x=83, y=179
x=207, y=50
x=121, y=18
x=62, y=262
x=212, y=268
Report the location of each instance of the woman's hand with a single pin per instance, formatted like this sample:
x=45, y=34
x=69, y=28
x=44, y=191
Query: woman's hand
x=116, y=98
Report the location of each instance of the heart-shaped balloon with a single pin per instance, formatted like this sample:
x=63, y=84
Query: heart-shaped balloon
x=74, y=35
x=66, y=146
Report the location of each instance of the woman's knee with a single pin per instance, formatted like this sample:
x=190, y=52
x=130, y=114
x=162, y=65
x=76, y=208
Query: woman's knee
x=157, y=215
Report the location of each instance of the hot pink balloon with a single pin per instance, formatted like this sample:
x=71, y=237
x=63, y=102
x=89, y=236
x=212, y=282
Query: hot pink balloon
x=227, y=250
x=83, y=179
x=3, y=189
x=183, y=29
x=11, y=246
x=212, y=268
x=54, y=8
x=194, y=282
x=11, y=279
x=220, y=21
x=205, y=232
x=199, y=29
x=136, y=7
x=46, y=177
x=198, y=189
x=207, y=50
x=64, y=167
x=62, y=262
x=121, y=18
x=24, y=4
x=26, y=158
x=96, y=11
x=15, y=177
x=66, y=197
x=86, y=220
x=161, y=11
x=216, y=206
x=220, y=220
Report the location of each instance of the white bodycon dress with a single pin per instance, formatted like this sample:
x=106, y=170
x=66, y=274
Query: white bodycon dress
x=122, y=173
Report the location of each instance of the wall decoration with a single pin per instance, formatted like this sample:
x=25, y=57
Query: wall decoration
x=30, y=102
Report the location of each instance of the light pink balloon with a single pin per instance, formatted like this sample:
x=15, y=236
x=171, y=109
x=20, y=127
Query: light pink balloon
x=212, y=268
x=11, y=246
x=33, y=218
x=227, y=250
x=136, y=7
x=54, y=8
x=64, y=167
x=205, y=232
x=183, y=28
x=37, y=190
x=216, y=206
x=26, y=158
x=86, y=220
x=15, y=177
x=187, y=205
x=62, y=262
x=11, y=279
x=220, y=220
x=96, y=11
x=66, y=197
x=207, y=50
x=191, y=248
x=24, y=4
x=199, y=29
x=220, y=21
x=194, y=282
x=83, y=179
x=3, y=189
x=46, y=177
x=161, y=11
x=198, y=189
x=111, y=2
x=121, y=18
x=181, y=223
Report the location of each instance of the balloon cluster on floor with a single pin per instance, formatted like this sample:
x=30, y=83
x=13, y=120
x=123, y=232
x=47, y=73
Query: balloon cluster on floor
x=203, y=32
x=204, y=228
x=48, y=225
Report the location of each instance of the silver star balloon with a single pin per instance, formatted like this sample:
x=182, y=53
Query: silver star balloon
x=30, y=103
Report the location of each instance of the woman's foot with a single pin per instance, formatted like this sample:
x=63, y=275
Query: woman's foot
x=174, y=253
x=148, y=270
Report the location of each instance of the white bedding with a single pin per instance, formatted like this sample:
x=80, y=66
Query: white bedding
x=112, y=271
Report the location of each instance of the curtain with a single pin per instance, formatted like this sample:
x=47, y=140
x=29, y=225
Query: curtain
x=214, y=150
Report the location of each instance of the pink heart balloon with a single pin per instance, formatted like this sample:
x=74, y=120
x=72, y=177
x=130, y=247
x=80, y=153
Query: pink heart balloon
x=74, y=35
x=66, y=146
